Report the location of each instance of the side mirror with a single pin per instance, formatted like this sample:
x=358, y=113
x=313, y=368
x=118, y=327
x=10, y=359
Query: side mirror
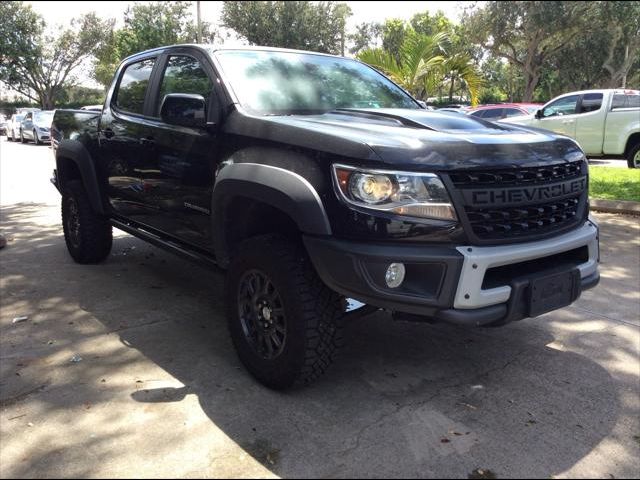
x=538, y=114
x=186, y=110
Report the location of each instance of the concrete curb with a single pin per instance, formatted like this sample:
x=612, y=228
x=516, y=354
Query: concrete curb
x=614, y=206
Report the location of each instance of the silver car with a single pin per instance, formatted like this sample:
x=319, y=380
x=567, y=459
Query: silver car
x=36, y=126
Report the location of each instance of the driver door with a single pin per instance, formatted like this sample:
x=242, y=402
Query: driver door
x=560, y=116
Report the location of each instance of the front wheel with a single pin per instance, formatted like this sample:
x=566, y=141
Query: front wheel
x=22, y=140
x=36, y=139
x=284, y=322
x=88, y=235
x=633, y=157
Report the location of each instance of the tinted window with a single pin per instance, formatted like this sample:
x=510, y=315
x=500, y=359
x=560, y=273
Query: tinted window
x=512, y=112
x=478, y=113
x=591, y=102
x=563, y=106
x=492, y=113
x=625, y=101
x=184, y=75
x=133, y=86
x=284, y=82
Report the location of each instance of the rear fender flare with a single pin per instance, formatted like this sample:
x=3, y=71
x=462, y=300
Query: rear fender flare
x=76, y=152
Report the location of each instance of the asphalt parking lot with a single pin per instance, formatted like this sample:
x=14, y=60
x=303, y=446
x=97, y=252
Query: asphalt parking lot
x=125, y=369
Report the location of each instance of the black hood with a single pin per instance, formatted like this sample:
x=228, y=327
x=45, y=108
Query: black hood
x=411, y=139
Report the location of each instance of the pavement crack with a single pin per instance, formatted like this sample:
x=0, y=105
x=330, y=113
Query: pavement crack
x=127, y=327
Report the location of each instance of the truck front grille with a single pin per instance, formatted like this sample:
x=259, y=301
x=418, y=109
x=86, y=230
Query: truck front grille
x=519, y=220
x=524, y=176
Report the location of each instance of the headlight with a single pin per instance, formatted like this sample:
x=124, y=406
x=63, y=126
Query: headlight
x=43, y=129
x=410, y=194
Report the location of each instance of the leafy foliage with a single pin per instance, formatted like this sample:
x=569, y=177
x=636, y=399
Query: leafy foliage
x=147, y=26
x=37, y=65
x=422, y=63
x=317, y=26
x=537, y=50
x=365, y=36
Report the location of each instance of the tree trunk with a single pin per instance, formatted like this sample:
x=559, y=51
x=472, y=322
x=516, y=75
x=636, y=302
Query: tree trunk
x=626, y=58
x=453, y=81
x=531, y=82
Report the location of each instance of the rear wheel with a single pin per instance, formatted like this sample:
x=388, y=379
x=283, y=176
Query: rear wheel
x=284, y=322
x=88, y=235
x=633, y=156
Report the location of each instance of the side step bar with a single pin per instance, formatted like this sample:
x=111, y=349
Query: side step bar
x=200, y=259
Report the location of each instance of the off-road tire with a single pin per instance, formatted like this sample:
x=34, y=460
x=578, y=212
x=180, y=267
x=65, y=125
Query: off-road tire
x=88, y=235
x=312, y=312
x=633, y=160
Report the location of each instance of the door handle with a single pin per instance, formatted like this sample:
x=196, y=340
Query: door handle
x=147, y=142
x=108, y=132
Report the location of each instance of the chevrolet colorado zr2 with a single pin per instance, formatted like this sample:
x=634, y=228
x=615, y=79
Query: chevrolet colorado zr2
x=313, y=180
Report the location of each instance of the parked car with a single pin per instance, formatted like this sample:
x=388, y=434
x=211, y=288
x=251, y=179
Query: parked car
x=307, y=200
x=503, y=110
x=23, y=110
x=13, y=127
x=3, y=124
x=36, y=126
x=93, y=108
x=459, y=111
x=604, y=122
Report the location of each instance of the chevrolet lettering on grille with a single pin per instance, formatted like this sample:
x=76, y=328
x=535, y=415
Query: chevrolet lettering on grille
x=524, y=194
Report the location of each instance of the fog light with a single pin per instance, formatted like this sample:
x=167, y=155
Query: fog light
x=395, y=275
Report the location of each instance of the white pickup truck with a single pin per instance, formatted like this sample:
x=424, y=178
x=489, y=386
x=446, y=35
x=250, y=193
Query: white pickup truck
x=603, y=122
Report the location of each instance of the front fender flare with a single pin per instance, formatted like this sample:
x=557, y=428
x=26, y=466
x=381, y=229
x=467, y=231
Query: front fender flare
x=280, y=188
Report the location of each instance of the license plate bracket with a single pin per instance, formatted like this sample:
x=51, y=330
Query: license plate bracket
x=552, y=291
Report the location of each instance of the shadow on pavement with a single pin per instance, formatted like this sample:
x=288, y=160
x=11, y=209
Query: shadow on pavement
x=404, y=400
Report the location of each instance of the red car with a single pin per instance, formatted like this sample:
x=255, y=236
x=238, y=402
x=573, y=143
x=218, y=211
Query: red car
x=504, y=110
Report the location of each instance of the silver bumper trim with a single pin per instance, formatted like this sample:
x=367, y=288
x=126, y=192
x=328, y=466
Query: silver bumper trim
x=477, y=260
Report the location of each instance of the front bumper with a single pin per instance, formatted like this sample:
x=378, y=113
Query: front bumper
x=466, y=285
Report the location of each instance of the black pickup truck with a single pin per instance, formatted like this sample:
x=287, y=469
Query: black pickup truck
x=314, y=180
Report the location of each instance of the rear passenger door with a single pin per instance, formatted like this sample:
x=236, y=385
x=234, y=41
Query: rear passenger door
x=184, y=159
x=124, y=156
x=590, y=123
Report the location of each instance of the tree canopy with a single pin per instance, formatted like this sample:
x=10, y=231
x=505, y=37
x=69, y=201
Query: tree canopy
x=38, y=65
x=513, y=50
x=317, y=26
x=146, y=26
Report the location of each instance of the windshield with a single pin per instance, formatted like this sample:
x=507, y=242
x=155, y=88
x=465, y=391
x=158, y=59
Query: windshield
x=19, y=118
x=532, y=108
x=43, y=117
x=270, y=82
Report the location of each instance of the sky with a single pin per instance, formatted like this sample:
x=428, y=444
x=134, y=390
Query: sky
x=58, y=13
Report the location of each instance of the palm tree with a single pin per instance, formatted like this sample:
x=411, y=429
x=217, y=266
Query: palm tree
x=460, y=67
x=424, y=65
x=420, y=56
